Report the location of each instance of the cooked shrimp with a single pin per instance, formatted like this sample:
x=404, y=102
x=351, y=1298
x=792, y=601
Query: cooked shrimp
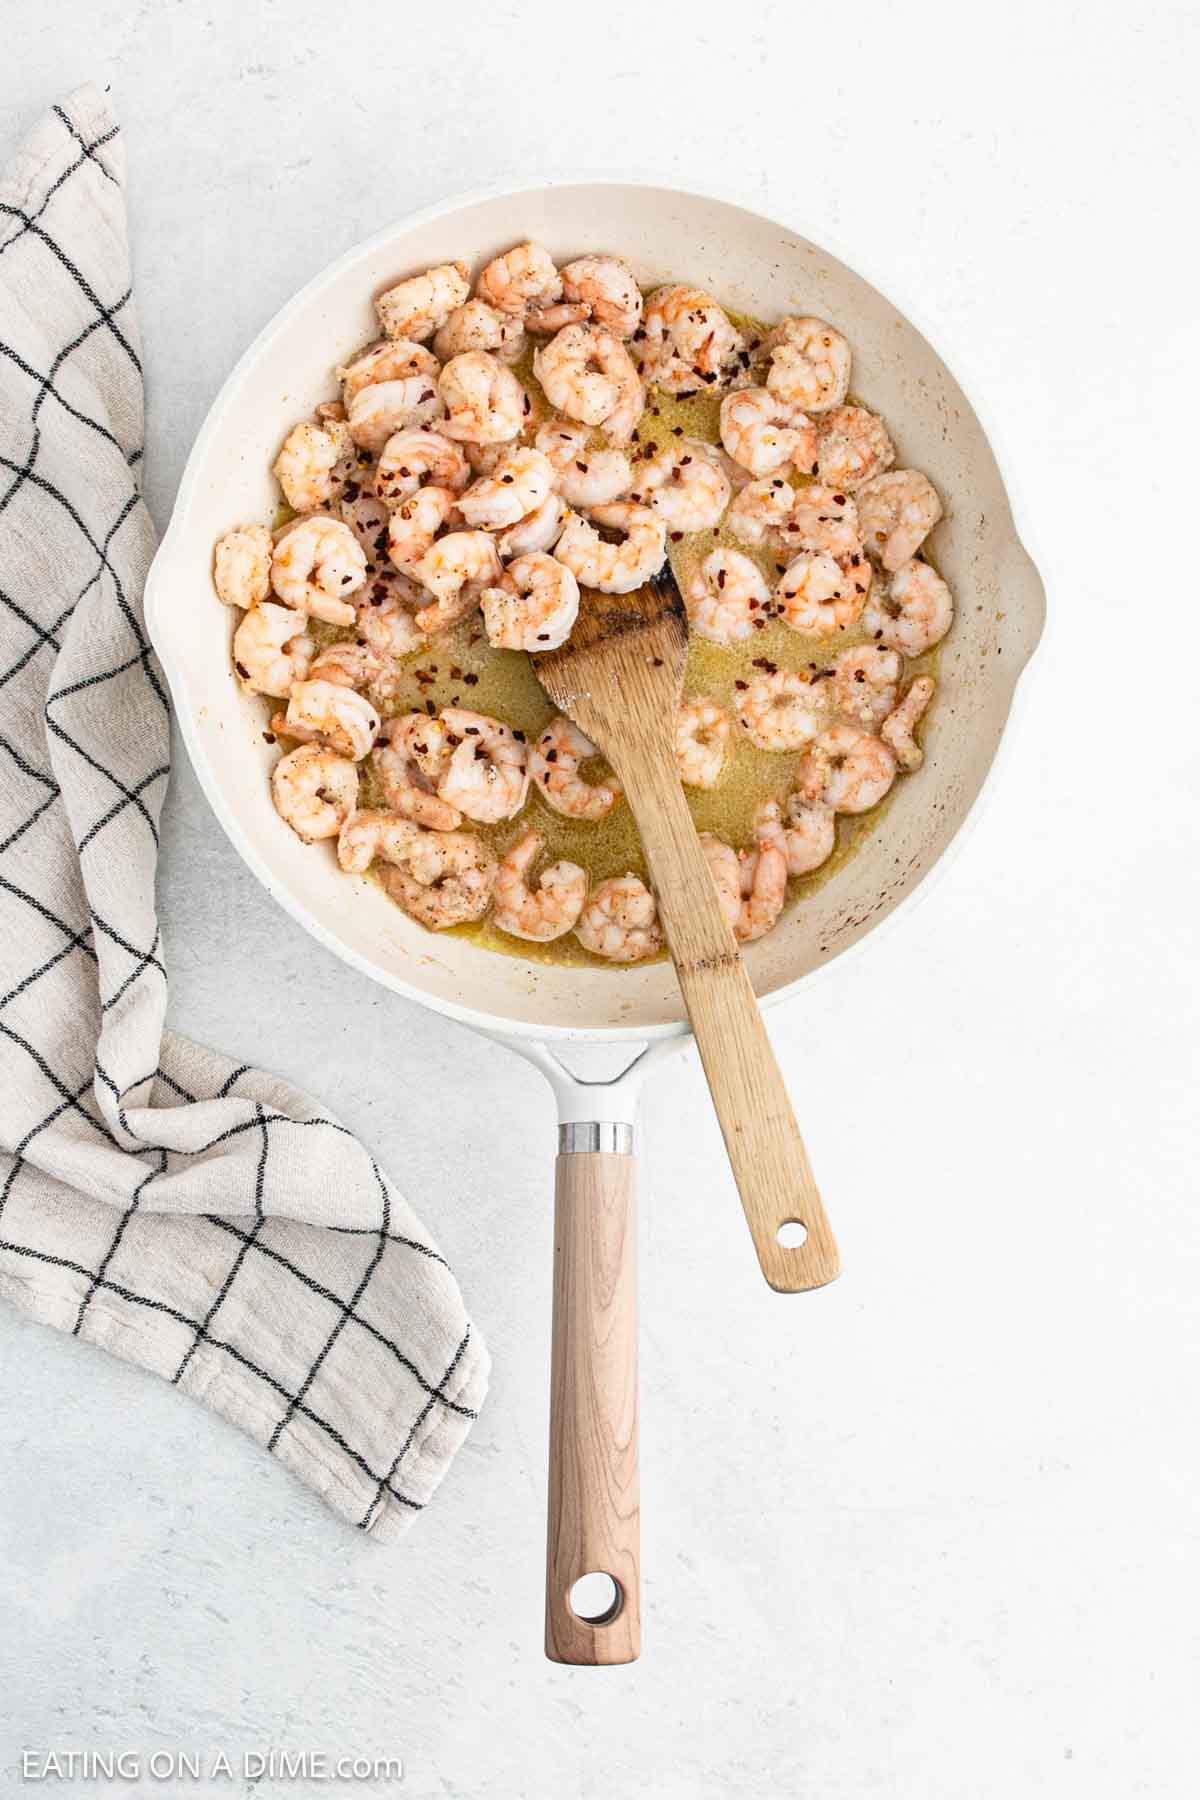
x=915, y=612
x=346, y=664
x=242, y=566
x=304, y=467
x=603, y=289
x=685, y=484
x=845, y=769
x=725, y=596
x=524, y=276
x=537, y=531
x=685, y=341
x=455, y=570
x=762, y=432
x=853, y=446
x=613, y=568
x=367, y=836
x=824, y=521
x=864, y=684
x=367, y=516
x=388, y=361
x=761, y=508
x=899, y=728
x=806, y=836
x=410, y=760
x=810, y=364
x=583, y=477
x=533, y=606
x=483, y=400
x=898, y=511
x=477, y=326
x=522, y=481
x=315, y=791
x=816, y=595
x=587, y=373
x=317, y=565
x=764, y=873
x=447, y=879
x=487, y=776
x=620, y=921
x=326, y=712
x=781, y=711
x=378, y=411
x=411, y=458
x=415, y=523
x=554, y=763
x=701, y=735
x=726, y=871
x=416, y=307
x=346, y=476
x=272, y=649
x=386, y=623
x=484, y=457
x=543, y=913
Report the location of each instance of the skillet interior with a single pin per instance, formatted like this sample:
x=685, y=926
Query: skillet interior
x=756, y=266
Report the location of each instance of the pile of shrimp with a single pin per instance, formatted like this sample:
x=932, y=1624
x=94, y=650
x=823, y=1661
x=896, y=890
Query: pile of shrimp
x=440, y=485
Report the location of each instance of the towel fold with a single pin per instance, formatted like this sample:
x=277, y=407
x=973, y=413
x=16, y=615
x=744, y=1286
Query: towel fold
x=197, y=1217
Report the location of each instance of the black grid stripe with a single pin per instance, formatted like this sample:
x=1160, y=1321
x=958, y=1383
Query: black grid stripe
x=78, y=681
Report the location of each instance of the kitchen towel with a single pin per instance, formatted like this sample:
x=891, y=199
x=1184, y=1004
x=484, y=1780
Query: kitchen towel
x=197, y=1217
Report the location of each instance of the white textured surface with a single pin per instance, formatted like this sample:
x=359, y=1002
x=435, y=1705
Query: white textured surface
x=930, y=1532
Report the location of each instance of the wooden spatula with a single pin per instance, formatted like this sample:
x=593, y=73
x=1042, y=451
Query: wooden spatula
x=619, y=676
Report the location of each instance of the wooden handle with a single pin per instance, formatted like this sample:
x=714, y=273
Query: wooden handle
x=770, y=1164
x=593, y=1524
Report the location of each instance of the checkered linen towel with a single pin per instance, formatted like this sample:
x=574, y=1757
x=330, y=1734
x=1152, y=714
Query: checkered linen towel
x=202, y=1219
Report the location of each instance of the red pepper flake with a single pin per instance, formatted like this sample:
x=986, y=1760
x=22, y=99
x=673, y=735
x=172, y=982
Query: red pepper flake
x=427, y=395
x=582, y=467
x=242, y=670
x=268, y=737
x=471, y=680
x=656, y=662
x=741, y=686
x=507, y=480
x=720, y=578
x=675, y=536
x=551, y=755
x=838, y=499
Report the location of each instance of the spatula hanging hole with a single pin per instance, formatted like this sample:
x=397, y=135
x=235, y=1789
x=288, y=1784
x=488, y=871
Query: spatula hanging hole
x=791, y=1234
x=596, y=1598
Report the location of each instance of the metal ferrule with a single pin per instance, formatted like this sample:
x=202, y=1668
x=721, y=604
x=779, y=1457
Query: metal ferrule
x=612, y=1136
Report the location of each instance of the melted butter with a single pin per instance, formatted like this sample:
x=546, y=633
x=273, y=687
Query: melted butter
x=462, y=669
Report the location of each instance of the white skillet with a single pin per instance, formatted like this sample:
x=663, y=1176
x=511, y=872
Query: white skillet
x=757, y=266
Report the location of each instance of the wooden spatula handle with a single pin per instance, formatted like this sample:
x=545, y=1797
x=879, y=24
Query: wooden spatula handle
x=767, y=1154
x=593, y=1523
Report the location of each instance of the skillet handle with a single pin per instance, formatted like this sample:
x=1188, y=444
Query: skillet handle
x=593, y=1525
